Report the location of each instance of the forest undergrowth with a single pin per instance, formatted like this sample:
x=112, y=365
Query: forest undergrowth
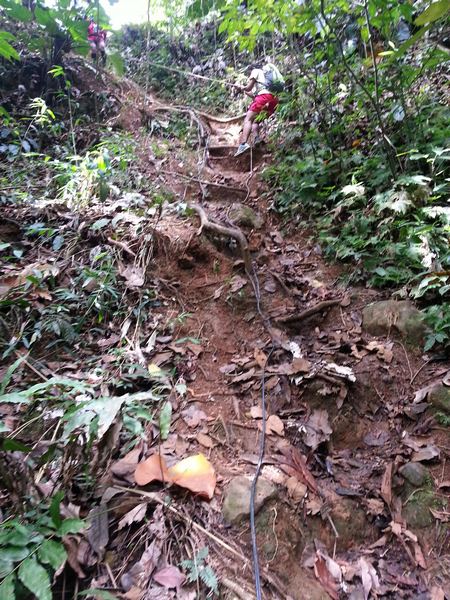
x=118, y=355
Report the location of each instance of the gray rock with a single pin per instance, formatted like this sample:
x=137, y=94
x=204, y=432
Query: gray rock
x=380, y=318
x=415, y=473
x=416, y=511
x=244, y=215
x=236, y=505
x=439, y=397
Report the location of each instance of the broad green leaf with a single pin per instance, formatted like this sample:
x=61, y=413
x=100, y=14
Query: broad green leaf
x=25, y=395
x=10, y=445
x=164, y=420
x=35, y=578
x=71, y=526
x=435, y=11
x=6, y=566
x=52, y=553
x=15, y=553
x=6, y=50
x=7, y=587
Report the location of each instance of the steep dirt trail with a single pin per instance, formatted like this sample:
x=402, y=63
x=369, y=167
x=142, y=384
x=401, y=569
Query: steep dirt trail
x=341, y=396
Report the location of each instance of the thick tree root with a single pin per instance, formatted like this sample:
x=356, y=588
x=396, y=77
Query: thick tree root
x=231, y=232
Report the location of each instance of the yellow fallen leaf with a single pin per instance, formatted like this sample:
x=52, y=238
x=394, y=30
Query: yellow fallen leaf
x=195, y=473
x=154, y=369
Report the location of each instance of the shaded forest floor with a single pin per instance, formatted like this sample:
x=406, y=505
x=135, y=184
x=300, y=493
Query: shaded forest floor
x=355, y=477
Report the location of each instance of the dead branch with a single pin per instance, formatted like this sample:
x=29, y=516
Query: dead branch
x=121, y=245
x=309, y=311
x=232, y=232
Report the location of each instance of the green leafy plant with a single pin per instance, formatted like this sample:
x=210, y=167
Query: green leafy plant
x=31, y=550
x=198, y=571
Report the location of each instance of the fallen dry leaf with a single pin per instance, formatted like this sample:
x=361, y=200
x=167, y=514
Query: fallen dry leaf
x=294, y=463
x=260, y=358
x=134, y=276
x=273, y=425
x=196, y=474
x=245, y=376
x=325, y=577
x=437, y=593
x=427, y=453
x=296, y=490
x=152, y=469
x=369, y=577
x=318, y=429
x=205, y=440
x=193, y=416
x=126, y=465
x=170, y=577
x=256, y=412
x=386, y=485
x=135, y=515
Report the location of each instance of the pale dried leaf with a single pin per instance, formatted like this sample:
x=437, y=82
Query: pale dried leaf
x=256, y=412
x=205, y=440
x=169, y=577
x=260, y=358
x=427, y=453
x=318, y=429
x=325, y=577
x=193, y=416
x=274, y=425
x=135, y=515
x=134, y=276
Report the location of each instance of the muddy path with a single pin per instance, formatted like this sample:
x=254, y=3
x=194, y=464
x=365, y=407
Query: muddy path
x=353, y=485
x=352, y=498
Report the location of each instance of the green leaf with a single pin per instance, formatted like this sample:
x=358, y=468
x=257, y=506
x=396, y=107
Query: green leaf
x=98, y=593
x=35, y=578
x=15, y=553
x=6, y=566
x=7, y=587
x=435, y=11
x=52, y=553
x=164, y=420
x=10, y=445
x=54, y=508
x=25, y=395
x=71, y=526
x=9, y=373
x=6, y=50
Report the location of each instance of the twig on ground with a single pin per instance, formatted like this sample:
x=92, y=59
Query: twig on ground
x=236, y=588
x=122, y=246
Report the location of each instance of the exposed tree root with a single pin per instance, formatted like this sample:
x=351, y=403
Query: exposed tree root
x=309, y=311
x=232, y=232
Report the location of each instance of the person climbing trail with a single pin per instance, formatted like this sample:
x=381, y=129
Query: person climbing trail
x=267, y=82
x=97, y=41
